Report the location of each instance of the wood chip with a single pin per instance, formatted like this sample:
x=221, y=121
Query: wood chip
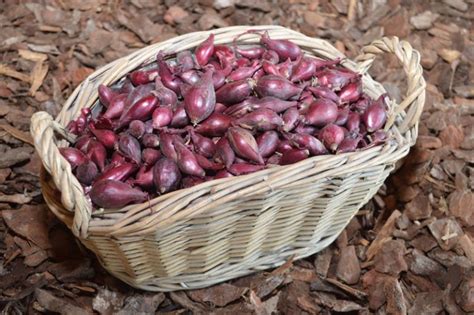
x=33, y=56
x=383, y=235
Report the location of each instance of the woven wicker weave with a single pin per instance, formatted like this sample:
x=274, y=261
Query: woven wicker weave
x=227, y=228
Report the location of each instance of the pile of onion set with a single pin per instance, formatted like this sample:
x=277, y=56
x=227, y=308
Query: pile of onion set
x=220, y=111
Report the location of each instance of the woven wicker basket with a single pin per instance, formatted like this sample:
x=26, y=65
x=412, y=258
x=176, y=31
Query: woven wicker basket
x=223, y=229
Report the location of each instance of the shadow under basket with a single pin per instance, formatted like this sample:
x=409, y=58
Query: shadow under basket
x=227, y=228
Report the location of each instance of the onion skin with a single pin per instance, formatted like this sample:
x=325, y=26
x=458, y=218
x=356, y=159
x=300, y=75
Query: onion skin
x=82, y=143
x=293, y=156
x=283, y=146
x=321, y=112
x=301, y=128
x=223, y=174
x=251, y=53
x=243, y=73
x=161, y=117
x=190, y=77
x=224, y=152
x=141, y=110
x=130, y=148
x=324, y=92
x=374, y=117
x=140, y=77
x=166, y=175
x=284, y=48
x=187, y=162
x=185, y=61
x=225, y=54
x=285, y=69
x=167, y=146
x=215, y=125
x=167, y=97
x=86, y=173
x=244, y=168
x=353, y=122
x=107, y=137
x=234, y=92
x=336, y=78
x=271, y=56
x=290, y=118
x=97, y=153
x=220, y=108
x=304, y=70
x=349, y=144
x=351, y=92
x=205, y=50
x=114, y=194
x=117, y=172
x=261, y=120
x=267, y=143
x=74, y=156
x=218, y=79
x=116, y=107
x=208, y=165
x=117, y=159
x=190, y=181
x=106, y=94
x=180, y=118
x=273, y=160
x=378, y=137
x=258, y=74
x=361, y=105
x=169, y=80
x=200, y=99
x=136, y=128
x=144, y=178
x=244, y=144
x=331, y=136
x=305, y=141
x=342, y=116
x=276, y=86
x=275, y=104
x=78, y=126
x=203, y=145
x=150, y=156
x=137, y=94
x=270, y=68
x=150, y=140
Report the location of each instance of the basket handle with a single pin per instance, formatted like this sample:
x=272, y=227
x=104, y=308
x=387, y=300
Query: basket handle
x=43, y=130
x=409, y=58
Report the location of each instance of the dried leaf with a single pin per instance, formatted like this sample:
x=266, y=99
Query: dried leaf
x=16, y=198
x=37, y=76
x=6, y=70
x=33, y=56
x=20, y=135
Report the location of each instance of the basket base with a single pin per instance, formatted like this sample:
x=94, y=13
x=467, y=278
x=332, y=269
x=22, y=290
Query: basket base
x=225, y=272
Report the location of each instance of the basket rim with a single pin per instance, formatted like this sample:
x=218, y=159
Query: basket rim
x=393, y=150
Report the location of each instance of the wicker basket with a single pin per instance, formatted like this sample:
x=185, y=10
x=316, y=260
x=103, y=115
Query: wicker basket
x=223, y=229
